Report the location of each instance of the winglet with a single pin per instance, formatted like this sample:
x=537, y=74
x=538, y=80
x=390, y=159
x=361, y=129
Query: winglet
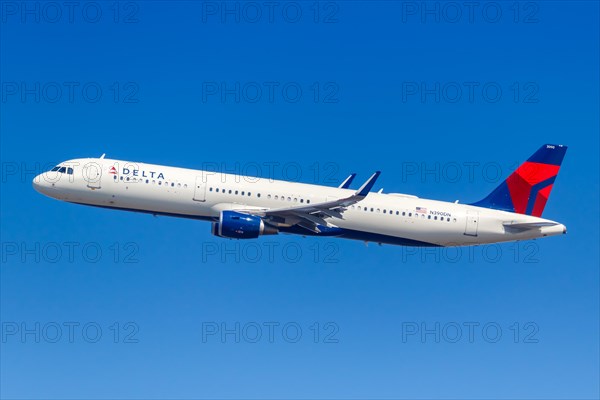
x=347, y=182
x=368, y=185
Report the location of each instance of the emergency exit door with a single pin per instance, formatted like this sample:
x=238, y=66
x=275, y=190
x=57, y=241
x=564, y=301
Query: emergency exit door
x=472, y=223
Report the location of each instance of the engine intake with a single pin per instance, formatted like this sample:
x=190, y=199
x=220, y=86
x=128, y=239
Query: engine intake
x=237, y=225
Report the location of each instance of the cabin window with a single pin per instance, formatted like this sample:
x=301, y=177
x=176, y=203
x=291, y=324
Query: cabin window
x=301, y=200
x=307, y=201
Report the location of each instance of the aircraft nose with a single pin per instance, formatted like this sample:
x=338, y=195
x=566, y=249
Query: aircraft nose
x=40, y=184
x=37, y=183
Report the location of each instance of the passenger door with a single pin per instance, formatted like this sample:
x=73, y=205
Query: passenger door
x=92, y=173
x=200, y=189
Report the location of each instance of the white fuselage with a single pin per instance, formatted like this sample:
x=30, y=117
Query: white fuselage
x=382, y=218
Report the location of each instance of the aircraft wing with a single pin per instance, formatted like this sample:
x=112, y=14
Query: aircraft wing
x=310, y=216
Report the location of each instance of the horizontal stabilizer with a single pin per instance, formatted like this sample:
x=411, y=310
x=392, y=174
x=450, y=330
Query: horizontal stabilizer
x=525, y=226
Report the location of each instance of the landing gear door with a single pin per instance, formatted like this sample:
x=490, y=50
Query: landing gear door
x=472, y=223
x=200, y=189
x=92, y=172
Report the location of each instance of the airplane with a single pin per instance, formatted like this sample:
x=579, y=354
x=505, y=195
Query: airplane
x=244, y=207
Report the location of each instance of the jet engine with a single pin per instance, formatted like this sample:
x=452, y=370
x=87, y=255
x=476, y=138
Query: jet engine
x=237, y=225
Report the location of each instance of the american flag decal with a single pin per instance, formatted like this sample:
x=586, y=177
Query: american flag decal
x=421, y=210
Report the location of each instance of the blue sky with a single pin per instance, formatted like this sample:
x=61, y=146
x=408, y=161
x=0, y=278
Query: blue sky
x=443, y=98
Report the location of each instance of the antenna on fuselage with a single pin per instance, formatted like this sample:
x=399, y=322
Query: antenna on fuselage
x=102, y=156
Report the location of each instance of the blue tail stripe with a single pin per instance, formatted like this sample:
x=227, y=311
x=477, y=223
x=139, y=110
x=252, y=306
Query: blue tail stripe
x=552, y=154
x=499, y=199
x=534, y=192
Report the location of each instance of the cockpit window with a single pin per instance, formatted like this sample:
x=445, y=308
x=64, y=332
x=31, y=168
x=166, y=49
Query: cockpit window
x=62, y=170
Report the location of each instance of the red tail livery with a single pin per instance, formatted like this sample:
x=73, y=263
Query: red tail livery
x=526, y=190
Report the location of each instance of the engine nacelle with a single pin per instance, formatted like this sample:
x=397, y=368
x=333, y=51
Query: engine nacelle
x=237, y=225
